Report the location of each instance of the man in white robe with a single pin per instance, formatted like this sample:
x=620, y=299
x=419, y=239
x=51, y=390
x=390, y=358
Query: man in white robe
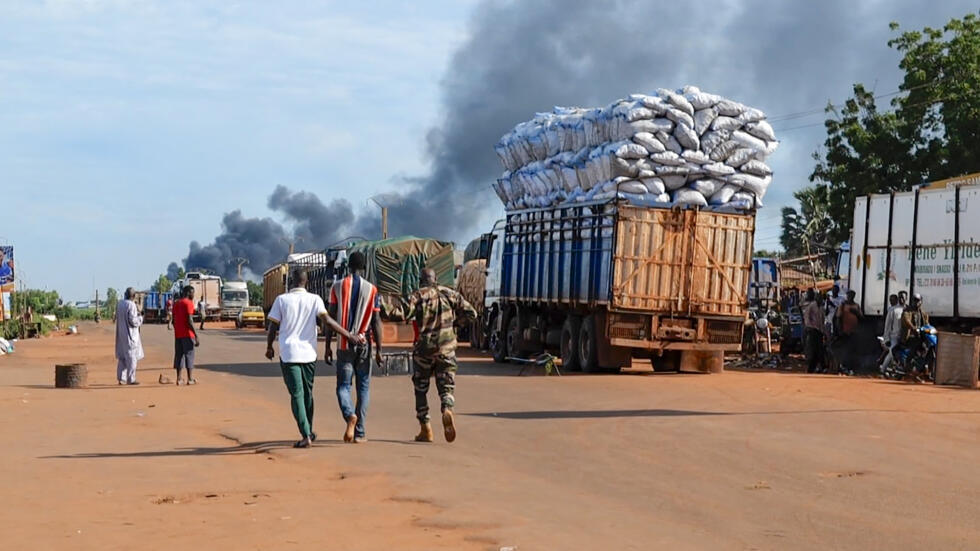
x=129, y=346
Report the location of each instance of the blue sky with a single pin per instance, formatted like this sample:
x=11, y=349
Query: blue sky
x=128, y=128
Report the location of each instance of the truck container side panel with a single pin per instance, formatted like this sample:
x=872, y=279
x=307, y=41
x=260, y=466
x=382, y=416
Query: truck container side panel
x=934, y=251
x=969, y=251
x=879, y=207
x=507, y=268
x=550, y=266
x=856, y=279
x=902, y=220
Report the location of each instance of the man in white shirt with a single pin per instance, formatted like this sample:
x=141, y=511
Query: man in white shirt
x=893, y=329
x=202, y=307
x=294, y=317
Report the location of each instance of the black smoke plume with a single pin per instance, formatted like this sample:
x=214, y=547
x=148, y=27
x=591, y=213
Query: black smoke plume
x=528, y=56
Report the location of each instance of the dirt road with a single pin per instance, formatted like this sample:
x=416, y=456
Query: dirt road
x=631, y=461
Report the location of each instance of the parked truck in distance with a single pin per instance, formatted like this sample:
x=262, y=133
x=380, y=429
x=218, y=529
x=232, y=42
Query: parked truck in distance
x=603, y=283
x=207, y=288
x=234, y=297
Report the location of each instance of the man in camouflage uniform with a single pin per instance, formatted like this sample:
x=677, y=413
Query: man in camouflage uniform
x=435, y=309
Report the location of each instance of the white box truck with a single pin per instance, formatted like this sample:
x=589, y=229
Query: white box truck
x=925, y=241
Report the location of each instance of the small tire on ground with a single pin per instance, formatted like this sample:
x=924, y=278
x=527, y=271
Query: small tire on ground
x=569, y=343
x=588, y=356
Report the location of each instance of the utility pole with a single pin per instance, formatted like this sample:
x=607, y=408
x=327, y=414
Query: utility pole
x=98, y=317
x=292, y=244
x=243, y=261
x=385, y=201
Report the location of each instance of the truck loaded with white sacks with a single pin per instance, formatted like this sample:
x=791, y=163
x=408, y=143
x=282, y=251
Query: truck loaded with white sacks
x=629, y=232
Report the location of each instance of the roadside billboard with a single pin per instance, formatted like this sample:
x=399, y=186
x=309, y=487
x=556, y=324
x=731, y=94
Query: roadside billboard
x=6, y=279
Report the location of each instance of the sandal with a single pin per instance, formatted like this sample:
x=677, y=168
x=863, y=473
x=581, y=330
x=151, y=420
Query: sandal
x=304, y=443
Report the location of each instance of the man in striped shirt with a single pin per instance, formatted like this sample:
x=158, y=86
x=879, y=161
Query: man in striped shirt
x=355, y=304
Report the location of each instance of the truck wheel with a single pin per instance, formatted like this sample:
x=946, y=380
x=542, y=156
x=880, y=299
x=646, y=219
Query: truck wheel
x=569, y=343
x=513, y=337
x=499, y=345
x=668, y=362
x=588, y=356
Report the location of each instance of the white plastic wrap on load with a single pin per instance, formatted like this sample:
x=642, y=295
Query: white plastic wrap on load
x=681, y=147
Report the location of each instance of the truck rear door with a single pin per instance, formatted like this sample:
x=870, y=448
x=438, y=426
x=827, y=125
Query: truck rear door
x=685, y=262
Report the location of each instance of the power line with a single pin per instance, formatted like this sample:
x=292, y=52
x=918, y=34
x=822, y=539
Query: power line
x=817, y=111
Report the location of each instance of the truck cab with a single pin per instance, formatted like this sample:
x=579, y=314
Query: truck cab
x=234, y=297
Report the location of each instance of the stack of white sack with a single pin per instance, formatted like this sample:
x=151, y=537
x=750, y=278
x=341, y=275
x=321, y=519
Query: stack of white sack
x=682, y=148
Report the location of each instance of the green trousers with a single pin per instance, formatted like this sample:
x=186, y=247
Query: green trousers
x=299, y=382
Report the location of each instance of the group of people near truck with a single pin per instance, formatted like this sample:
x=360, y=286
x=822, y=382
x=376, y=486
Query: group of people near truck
x=830, y=325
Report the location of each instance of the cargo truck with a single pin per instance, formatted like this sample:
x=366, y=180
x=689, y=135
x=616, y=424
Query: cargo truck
x=234, y=297
x=206, y=287
x=925, y=241
x=155, y=306
x=603, y=283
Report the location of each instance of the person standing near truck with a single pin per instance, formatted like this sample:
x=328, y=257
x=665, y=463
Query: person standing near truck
x=170, y=313
x=435, y=308
x=185, y=338
x=202, y=308
x=813, y=325
x=892, y=335
x=354, y=302
x=129, y=345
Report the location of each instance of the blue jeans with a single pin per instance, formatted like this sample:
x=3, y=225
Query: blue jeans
x=351, y=368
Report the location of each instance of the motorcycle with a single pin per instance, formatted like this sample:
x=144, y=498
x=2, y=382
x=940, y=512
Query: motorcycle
x=916, y=359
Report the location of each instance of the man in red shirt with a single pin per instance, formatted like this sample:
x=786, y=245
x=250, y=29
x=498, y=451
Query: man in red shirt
x=185, y=338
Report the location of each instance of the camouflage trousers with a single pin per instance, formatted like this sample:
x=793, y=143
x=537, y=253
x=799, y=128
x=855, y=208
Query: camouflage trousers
x=443, y=367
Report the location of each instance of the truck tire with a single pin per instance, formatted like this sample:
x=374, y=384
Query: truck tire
x=499, y=342
x=588, y=348
x=670, y=361
x=512, y=338
x=569, y=343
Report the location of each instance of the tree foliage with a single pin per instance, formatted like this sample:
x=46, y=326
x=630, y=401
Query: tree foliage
x=808, y=228
x=930, y=132
x=111, y=301
x=254, y=293
x=162, y=284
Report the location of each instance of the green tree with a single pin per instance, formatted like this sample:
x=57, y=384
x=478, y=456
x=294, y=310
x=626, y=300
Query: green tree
x=765, y=253
x=254, y=293
x=111, y=301
x=162, y=284
x=808, y=229
x=930, y=132
x=181, y=273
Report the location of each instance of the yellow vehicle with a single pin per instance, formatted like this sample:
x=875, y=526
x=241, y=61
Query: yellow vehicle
x=251, y=315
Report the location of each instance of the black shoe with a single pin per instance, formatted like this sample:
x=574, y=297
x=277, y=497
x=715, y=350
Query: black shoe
x=312, y=437
x=304, y=443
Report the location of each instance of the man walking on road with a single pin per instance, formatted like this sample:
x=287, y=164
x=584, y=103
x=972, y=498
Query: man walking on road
x=294, y=317
x=355, y=304
x=435, y=309
x=185, y=338
x=129, y=345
